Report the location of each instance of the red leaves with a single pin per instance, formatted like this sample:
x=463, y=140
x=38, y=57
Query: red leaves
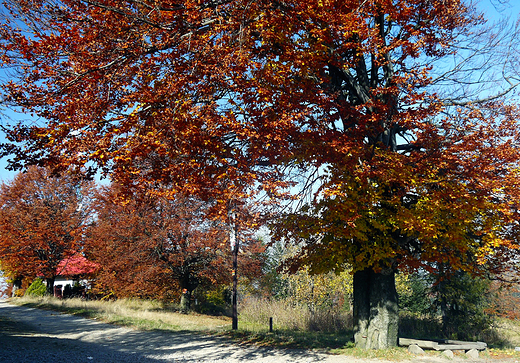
x=76, y=265
x=42, y=220
x=154, y=247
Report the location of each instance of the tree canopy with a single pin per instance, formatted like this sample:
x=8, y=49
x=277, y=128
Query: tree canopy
x=155, y=247
x=372, y=114
x=42, y=221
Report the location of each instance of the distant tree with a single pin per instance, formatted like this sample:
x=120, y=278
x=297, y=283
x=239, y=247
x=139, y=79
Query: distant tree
x=154, y=247
x=42, y=221
x=76, y=266
x=507, y=302
x=273, y=283
x=319, y=291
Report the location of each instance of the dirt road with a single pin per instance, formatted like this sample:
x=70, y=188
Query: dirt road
x=39, y=336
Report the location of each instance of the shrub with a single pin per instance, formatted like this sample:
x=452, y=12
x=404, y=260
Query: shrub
x=76, y=290
x=67, y=291
x=37, y=288
x=216, y=301
x=462, y=301
x=413, y=325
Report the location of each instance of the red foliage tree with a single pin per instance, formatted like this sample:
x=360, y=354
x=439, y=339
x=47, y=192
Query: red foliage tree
x=42, y=221
x=76, y=266
x=161, y=248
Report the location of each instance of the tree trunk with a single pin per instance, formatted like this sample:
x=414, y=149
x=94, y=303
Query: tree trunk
x=185, y=301
x=17, y=284
x=375, y=309
x=50, y=286
x=188, y=283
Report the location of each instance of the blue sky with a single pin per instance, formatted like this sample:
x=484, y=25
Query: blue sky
x=6, y=175
x=494, y=9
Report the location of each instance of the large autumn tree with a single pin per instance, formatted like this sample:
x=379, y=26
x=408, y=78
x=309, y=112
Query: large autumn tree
x=42, y=221
x=154, y=247
x=389, y=119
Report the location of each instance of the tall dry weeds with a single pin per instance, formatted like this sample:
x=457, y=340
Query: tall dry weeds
x=255, y=313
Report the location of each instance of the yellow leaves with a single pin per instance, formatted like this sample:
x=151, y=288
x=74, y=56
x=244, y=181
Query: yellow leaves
x=176, y=119
x=98, y=154
x=136, y=110
x=489, y=247
x=319, y=290
x=403, y=285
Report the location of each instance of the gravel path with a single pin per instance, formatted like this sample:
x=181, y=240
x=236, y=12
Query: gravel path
x=40, y=336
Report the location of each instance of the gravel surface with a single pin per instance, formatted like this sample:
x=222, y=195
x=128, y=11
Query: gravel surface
x=40, y=336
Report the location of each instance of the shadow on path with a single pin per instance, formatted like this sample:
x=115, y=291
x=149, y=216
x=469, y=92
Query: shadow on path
x=20, y=343
x=41, y=336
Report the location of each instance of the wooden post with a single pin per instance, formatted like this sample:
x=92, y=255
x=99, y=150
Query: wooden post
x=271, y=324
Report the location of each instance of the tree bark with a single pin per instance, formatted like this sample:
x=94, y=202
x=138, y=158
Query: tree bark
x=17, y=284
x=50, y=285
x=188, y=284
x=185, y=301
x=376, y=317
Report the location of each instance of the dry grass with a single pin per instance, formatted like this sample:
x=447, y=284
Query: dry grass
x=255, y=314
x=509, y=330
x=293, y=323
x=141, y=314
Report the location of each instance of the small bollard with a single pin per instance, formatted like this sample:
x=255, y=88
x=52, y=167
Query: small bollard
x=270, y=324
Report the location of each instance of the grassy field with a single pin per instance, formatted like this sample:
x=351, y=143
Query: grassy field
x=139, y=314
x=253, y=328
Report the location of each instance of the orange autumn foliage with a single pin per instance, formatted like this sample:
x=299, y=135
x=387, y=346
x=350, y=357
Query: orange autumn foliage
x=155, y=247
x=230, y=100
x=42, y=221
x=391, y=125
